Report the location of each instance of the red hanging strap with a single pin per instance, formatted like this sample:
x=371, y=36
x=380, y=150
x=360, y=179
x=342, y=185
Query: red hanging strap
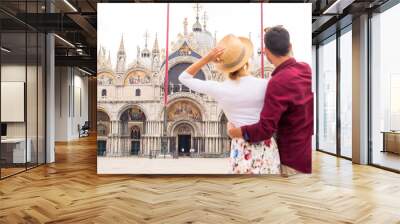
x=262, y=40
x=166, y=62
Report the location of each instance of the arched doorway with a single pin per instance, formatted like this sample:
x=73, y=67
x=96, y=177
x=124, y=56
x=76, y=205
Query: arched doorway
x=135, y=140
x=133, y=122
x=103, y=129
x=183, y=133
x=184, y=118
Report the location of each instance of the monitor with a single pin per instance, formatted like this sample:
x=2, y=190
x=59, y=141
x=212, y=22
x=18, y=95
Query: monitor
x=3, y=129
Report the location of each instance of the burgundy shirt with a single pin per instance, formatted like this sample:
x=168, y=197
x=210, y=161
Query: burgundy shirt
x=288, y=112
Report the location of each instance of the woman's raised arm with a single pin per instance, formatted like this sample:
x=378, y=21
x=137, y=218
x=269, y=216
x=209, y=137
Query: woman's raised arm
x=207, y=87
x=212, y=56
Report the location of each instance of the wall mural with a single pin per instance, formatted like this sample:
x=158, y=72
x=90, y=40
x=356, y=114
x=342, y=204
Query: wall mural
x=184, y=109
x=133, y=114
x=137, y=77
x=105, y=79
x=185, y=50
x=183, y=129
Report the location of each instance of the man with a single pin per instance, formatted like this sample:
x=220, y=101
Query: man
x=288, y=105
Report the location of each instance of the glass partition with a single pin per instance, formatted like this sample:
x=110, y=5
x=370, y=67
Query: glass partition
x=346, y=93
x=22, y=91
x=13, y=117
x=385, y=90
x=41, y=97
x=327, y=96
x=31, y=98
x=314, y=86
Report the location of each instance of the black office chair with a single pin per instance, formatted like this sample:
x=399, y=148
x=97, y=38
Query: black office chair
x=84, y=130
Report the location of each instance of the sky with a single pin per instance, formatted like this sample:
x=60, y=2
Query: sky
x=134, y=19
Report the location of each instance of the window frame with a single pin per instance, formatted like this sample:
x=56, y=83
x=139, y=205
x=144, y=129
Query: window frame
x=334, y=37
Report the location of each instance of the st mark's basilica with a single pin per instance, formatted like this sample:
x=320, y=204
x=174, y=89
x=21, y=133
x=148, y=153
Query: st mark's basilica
x=130, y=99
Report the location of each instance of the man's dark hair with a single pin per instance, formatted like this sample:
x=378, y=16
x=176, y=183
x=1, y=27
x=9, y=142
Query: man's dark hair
x=277, y=40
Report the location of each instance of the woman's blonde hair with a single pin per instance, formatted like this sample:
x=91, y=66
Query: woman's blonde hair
x=235, y=74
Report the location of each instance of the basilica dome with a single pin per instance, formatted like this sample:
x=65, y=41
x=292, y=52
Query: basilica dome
x=203, y=40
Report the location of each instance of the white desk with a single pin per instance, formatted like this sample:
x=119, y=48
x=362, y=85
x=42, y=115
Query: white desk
x=19, y=155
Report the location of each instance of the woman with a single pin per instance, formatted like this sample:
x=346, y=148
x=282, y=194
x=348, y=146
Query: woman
x=241, y=97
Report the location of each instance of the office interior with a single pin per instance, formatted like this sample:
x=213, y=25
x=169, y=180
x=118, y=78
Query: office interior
x=45, y=87
x=48, y=79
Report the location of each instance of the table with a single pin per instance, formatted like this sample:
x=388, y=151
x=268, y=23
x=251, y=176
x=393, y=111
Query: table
x=391, y=141
x=13, y=150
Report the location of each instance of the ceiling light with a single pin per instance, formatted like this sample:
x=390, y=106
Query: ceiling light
x=70, y=5
x=338, y=6
x=84, y=71
x=65, y=41
x=79, y=51
x=5, y=50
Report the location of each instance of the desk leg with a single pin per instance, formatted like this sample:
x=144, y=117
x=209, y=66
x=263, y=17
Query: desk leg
x=384, y=142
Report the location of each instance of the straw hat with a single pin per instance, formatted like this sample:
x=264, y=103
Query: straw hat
x=237, y=51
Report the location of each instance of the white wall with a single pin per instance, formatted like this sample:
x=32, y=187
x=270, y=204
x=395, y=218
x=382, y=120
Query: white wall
x=71, y=103
x=33, y=126
x=11, y=73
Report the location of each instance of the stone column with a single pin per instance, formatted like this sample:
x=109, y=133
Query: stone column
x=217, y=148
x=208, y=145
x=128, y=147
x=214, y=129
x=149, y=127
x=50, y=93
x=360, y=90
x=214, y=145
x=118, y=146
x=144, y=145
x=150, y=144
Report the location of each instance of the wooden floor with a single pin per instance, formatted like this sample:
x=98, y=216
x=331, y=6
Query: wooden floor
x=387, y=159
x=70, y=191
x=5, y=172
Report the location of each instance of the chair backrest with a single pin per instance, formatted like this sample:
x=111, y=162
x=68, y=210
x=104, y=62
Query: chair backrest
x=86, y=125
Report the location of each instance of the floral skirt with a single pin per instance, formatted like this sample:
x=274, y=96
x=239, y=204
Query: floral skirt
x=259, y=158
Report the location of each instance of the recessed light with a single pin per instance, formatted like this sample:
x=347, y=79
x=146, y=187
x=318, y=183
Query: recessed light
x=86, y=72
x=5, y=50
x=70, y=5
x=64, y=40
x=338, y=6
